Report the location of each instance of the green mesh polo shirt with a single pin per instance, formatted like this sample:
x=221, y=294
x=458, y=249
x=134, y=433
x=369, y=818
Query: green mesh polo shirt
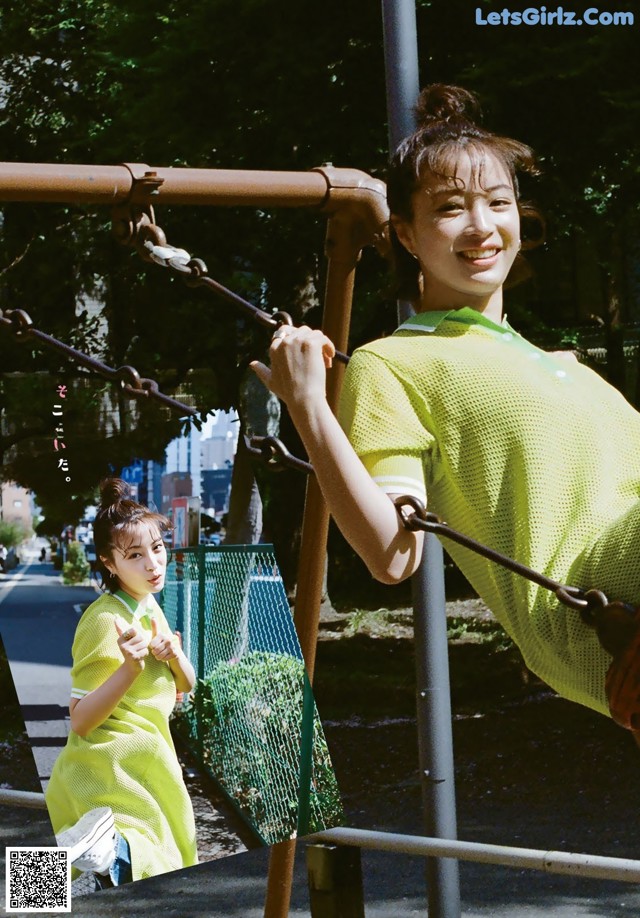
x=532, y=454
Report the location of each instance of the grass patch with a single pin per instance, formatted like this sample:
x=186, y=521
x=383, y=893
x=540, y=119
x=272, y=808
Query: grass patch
x=398, y=623
x=378, y=623
x=476, y=631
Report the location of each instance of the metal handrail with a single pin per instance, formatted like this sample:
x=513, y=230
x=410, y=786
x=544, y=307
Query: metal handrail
x=29, y=799
x=593, y=866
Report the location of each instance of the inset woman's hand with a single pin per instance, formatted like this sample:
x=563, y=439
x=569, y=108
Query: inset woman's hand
x=163, y=647
x=133, y=644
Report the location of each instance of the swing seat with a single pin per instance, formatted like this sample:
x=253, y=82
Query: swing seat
x=622, y=682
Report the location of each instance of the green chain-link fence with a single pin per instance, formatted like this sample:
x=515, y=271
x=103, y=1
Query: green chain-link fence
x=252, y=720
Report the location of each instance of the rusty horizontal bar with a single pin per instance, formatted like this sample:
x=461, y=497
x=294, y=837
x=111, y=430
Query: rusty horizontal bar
x=50, y=182
x=65, y=184
x=230, y=187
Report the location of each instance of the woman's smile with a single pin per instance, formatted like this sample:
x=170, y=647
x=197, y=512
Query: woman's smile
x=480, y=256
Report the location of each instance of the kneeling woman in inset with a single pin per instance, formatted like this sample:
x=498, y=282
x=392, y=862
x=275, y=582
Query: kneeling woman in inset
x=116, y=795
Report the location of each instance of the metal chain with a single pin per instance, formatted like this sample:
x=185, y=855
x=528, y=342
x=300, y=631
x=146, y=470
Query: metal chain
x=273, y=451
x=583, y=601
x=270, y=449
x=152, y=246
x=18, y=322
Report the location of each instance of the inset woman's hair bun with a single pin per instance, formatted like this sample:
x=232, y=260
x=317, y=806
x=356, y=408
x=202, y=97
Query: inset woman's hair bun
x=440, y=102
x=113, y=490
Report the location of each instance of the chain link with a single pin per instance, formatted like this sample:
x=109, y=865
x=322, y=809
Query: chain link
x=20, y=324
x=273, y=451
x=151, y=245
x=420, y=519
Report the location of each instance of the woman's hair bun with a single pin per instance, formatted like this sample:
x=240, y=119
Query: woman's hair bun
x=439, y=102
x=113, y=490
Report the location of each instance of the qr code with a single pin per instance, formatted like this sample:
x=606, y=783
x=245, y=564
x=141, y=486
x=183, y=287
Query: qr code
x=38, y=880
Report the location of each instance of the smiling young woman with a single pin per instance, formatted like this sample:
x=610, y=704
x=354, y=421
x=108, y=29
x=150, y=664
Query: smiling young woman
x=531, y=454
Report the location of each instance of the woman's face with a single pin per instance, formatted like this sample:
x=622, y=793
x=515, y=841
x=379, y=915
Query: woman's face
x=465, y=235
x=140, y=564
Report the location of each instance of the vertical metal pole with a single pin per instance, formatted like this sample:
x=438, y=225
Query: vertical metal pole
x=202, y=626
x=435, y=742
x=401, y=66
x=306, y=757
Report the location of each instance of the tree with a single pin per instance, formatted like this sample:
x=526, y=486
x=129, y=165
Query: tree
x=570, y=93
x=86, y=82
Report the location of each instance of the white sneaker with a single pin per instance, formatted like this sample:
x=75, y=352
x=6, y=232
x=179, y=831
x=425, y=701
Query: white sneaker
x=91, y=841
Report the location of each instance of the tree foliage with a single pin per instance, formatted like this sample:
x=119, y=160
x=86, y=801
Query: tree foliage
x=11, y=534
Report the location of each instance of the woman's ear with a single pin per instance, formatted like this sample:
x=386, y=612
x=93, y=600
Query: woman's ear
x=404, y=232
x=108, y=563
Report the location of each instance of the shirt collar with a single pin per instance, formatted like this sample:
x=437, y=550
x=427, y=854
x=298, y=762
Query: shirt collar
x=138, y=610
x=427, y=322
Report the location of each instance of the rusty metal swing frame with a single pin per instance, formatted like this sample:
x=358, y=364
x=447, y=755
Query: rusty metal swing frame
x=355, y=205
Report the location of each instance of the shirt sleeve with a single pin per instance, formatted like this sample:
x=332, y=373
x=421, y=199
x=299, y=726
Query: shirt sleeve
x=95, y=651
x=383, y=418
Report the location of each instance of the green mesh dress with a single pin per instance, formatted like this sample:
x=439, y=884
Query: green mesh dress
x=531, y=454
x=128, y=762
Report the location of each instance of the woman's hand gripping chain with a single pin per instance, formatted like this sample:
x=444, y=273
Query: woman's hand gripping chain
x=299, y=359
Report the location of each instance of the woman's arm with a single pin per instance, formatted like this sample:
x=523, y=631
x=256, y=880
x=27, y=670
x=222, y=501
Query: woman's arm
x=365, y=515
x=92, y=709
x=183, y=672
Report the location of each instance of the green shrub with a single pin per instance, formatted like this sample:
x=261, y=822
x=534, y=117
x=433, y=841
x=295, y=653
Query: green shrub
x=251, y=712
x=11, y=533
x=76, y=568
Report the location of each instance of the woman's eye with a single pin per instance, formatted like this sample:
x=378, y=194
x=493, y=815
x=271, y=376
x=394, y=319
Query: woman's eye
x=449, y=207
x=501, y=202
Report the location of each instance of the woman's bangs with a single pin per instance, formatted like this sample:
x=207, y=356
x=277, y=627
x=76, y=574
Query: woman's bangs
x=442, y=161
x=127, y=534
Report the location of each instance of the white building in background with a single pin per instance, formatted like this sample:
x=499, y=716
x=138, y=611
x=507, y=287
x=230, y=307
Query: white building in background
x=199, y=463
x=218, y=445
x=212, y=448
x=219, y=441
x=183, y=455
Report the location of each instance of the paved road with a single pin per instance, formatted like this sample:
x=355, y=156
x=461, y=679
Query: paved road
x=38, y=618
